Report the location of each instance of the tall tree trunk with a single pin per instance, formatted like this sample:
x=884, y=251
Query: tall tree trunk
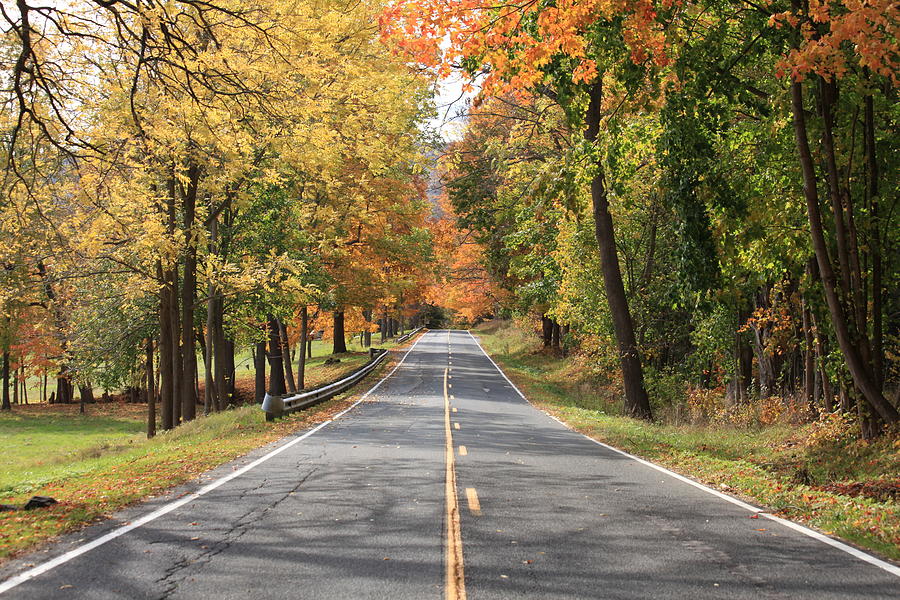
x=875, y=242
x=862, y=376
x=189, y=298
x=5, y=405
x=301, y=362
x=209, y=393
x=219, y=350
x=637, y=404
x=744, y=360
x=230, y=370
x=340, y=338
x=276, y=360
x=259, y=365
x=177, y=360
x=555, y=335
x=170, y=366
x=151, y=393
x=367, y=334
x=546, y=331
x=63, y=386
x=166, y=355
x=188, y=339
x=86, y=393
x=286, y=353
x=809, y=360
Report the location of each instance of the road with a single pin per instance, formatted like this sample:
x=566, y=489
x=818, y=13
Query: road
x=444, y=483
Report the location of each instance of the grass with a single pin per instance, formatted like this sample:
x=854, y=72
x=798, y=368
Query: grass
x=811, y=473
x=96, y=463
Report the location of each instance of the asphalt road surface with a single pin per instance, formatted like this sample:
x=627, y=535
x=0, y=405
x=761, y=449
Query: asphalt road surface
x=443, y=483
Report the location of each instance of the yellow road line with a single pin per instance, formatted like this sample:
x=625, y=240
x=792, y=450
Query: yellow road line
x=454, y=409
x=474, y=505
x=456, y=426
x=454, y=577
x=463, y=451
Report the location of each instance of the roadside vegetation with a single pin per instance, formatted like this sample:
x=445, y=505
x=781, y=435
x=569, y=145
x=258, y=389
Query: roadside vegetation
x=96, y=463
x=818, y=472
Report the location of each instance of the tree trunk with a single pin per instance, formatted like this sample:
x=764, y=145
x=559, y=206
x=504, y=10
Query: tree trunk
x=166, y=356
x=863, y=378
x=276, y=360
x=5, y=405
x=230, y=370
x=301, y=362
x=546, y=331
x=188, y=340
x=64, y=393
x=219, y=351
x=209, y=393
x=555, y=335
x=809, y=360
x=367, y=334
x=286, y=354
x=875, y=242
x=340, y=341
x=177, y=360
x=151, y=393
x=637, y=404
x=86, y=393
x=189, y=298
x=259, y=364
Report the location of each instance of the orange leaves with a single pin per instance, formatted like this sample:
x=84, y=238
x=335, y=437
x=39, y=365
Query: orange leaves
x=585, y=72
x=862, y=31
x=517, y=41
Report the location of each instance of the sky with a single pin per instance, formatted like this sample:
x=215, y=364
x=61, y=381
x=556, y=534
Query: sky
x=452, y=106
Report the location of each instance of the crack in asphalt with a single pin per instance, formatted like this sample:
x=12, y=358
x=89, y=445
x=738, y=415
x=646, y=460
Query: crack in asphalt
x=185, y=567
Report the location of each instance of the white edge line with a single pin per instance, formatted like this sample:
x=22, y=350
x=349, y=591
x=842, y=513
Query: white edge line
x=163, y=510
x=892, y=569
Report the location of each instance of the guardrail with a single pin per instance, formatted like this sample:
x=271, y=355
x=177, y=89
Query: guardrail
x=403, y=338
x=276, y=406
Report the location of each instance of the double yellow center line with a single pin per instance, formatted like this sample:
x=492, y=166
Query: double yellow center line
x=455, y=581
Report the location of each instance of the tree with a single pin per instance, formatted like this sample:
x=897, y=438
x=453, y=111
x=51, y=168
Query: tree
x=565, y=53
